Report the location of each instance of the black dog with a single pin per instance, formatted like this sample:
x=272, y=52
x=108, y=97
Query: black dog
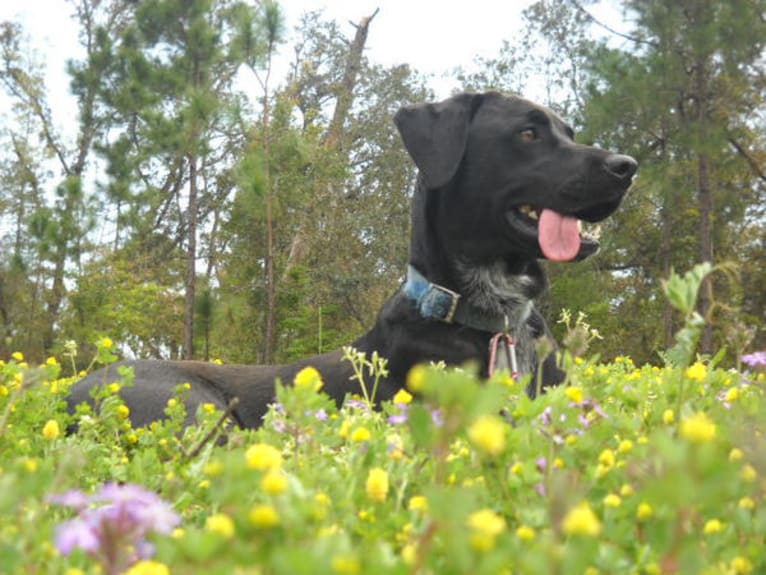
x=502, y=184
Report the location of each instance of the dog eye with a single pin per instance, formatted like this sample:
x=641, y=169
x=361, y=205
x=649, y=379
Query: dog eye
x=528, y=134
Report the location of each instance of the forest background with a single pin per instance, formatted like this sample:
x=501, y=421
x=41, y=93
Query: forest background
x=190, y=217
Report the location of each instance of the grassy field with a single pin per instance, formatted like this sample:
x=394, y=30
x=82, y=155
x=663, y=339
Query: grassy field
x=624, y=469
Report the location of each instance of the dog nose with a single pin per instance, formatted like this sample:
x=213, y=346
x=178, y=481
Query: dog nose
x=621, y=166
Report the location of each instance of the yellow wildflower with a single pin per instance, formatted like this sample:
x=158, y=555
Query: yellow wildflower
x=525, y=533
x=178, y=533
x=574, y=394
x=213, y=468
x=18, y=356
x=741, y=565
x=626, y=446
x=668, y=417
x=698, y=428
x=746, y=503
x=626, y=490
x=485, y=526
x=148, y=568
x=487, y=433
x=712, y=526
x=263, y=456
x=402, y=396
x=696, y=372
x=418, y=503
x=749, y=473
x=409, y=553
x=581, y=521
x=612, y=500
x=264, y=516
x=123, y=411
x=220, y=523
x=644, y=511
x=732, y=394
x=323, y=499
x=51, y=361
x=377, y=484
x=51, y=429
x=114, y=388
x=416, y=378
x=208, y=407
x=395, y=447
x=345, y=565
x=606, y=461
x=486, y=521
x=308, y=378
x=736, y=454
x=274, y=482
x=344, y=429
x=360, y=434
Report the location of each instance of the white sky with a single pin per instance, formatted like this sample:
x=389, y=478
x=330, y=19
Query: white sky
x=433, y=36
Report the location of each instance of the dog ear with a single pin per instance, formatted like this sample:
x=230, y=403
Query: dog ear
x=435, y=135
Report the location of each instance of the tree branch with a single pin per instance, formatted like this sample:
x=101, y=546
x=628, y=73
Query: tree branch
x=750, y=160
x=609, y=29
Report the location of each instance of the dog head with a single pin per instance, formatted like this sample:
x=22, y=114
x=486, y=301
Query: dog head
x=511, y=179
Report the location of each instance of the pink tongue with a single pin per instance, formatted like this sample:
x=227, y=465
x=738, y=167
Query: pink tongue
x=558, y=236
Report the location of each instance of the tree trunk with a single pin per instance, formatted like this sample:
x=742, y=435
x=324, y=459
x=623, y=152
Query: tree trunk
x=191, y=261
x=669, y=208
x=706, y=248
x=705, y=197
x=300, y=246
x=270, y=328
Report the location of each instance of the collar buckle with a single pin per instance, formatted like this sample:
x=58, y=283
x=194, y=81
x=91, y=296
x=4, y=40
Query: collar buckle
x=443, y=301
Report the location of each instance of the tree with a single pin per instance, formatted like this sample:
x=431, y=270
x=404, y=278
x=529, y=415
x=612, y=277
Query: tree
x=60, y=228
x=693, y=82
x=169, y=88
x=347, y=203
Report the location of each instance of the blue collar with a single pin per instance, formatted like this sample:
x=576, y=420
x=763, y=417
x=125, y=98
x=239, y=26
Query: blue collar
x=437, y=302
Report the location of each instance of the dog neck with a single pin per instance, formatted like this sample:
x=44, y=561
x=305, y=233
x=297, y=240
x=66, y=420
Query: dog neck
x=491, y=301
x=497, y=289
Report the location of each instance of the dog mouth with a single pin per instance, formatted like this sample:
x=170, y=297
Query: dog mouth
x=560, y=237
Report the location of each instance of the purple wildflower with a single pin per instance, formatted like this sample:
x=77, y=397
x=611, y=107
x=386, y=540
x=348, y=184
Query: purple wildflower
x=112, y=524
x=78, y=534
x=357, y=404
x=545, y=417
x=437, y=418
x=73, y=498
x=320, y=415
x=279, y=425
x=541, y=464
x=399, y=417
x=755, y=359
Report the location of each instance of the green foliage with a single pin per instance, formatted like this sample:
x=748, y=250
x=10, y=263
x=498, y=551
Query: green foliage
x=608, y=474
x=682, y=292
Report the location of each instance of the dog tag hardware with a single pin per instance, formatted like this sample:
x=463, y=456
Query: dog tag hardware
x=502, y=354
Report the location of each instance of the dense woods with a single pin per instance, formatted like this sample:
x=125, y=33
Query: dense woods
x=207, y=208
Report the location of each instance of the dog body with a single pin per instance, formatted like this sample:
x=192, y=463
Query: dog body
x=501, y=184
